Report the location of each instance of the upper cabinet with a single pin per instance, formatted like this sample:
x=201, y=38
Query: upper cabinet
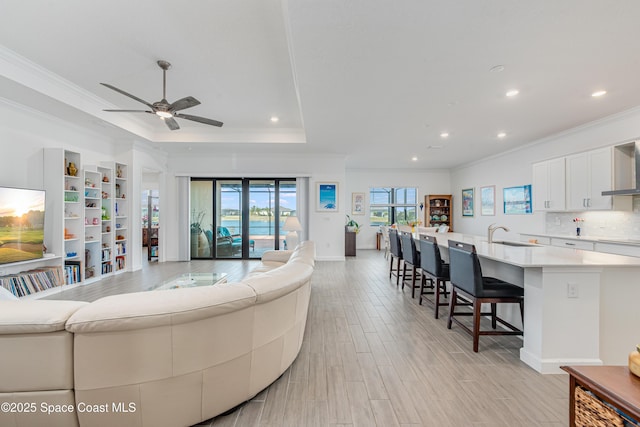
x=576, y=182
x=588, y=175
x=549, y=185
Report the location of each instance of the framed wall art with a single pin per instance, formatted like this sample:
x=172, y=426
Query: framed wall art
x=357, y=204
x=517, y=200
x=488, y=200
x=467, y=202
x=327, y=197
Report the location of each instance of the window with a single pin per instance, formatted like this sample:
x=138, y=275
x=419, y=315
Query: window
x=390, y=205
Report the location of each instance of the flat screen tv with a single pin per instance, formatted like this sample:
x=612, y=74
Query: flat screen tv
x=21, y=224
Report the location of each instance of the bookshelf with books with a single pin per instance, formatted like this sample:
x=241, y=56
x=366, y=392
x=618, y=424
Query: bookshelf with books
x=64, y=215
x=106, y=249
x=92, y=224
x=120, y=215
x=32, y=282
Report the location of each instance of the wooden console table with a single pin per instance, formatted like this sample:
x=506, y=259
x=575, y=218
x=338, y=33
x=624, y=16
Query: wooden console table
x=612, y=384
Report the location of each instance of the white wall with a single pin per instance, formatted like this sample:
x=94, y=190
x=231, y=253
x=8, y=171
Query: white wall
x=361, y=180
x=23, y=135
x=515, y=168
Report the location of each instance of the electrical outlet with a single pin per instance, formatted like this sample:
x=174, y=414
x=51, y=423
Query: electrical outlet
x=572, y=290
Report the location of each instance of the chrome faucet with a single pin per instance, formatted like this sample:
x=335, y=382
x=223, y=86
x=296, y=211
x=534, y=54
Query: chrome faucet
x=492, y=229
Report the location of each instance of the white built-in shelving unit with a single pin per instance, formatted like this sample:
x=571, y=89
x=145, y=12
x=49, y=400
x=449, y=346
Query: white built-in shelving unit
x=92, y=224
x=87, y=217
x=121, y=216
x=106, y=250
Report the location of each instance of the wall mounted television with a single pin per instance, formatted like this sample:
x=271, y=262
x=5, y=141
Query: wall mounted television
x=21, y=224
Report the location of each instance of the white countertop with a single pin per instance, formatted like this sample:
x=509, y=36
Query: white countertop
x=616, y=240
x=539, y=255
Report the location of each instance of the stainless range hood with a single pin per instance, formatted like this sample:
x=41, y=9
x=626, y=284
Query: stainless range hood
x=626, y=169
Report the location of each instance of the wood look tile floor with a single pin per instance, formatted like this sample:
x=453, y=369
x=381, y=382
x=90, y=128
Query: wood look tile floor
x=372, y=356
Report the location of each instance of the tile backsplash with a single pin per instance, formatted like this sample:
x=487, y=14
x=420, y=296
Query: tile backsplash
x=615, y=224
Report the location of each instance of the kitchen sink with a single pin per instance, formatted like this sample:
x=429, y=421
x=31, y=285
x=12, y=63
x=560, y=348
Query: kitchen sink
x=507, y=243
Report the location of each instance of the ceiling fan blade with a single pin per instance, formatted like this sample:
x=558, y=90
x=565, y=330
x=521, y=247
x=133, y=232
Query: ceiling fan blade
x=127, y=94
x=171, y=123
x=130, y=111
x=199, y=119
x=183, y=103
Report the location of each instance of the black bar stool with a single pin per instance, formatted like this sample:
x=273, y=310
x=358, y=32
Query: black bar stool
x=396, y=254
x=411, y=258
x=466, y=279
x=434, y=270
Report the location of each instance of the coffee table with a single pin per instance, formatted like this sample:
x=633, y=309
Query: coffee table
x=190, y=280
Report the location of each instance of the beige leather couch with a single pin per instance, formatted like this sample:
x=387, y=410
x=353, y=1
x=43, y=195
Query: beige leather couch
x=162, y=358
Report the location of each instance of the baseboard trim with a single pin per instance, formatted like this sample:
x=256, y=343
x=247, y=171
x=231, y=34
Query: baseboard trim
x=552, y=366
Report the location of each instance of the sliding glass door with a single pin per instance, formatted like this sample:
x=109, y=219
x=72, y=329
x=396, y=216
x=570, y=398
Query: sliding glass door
x=248, y=215
x=228, y=219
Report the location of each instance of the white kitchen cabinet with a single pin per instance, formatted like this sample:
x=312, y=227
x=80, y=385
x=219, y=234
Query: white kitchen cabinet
x=619, y=249
x=572, y=244
x=587, y=176
x=549, y=185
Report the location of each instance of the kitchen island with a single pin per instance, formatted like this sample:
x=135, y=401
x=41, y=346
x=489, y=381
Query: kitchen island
x=581, y=307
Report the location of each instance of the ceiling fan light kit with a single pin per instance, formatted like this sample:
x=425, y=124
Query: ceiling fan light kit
x=163, y=108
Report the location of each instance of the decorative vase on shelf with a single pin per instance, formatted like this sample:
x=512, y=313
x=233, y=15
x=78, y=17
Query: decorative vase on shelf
x=578, y=231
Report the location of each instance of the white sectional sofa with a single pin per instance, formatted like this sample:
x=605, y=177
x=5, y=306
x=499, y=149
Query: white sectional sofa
x=163, y=358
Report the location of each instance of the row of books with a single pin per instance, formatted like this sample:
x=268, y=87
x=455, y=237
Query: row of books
x=32, y=281
x=107, y=267
x=120, y=263
x=121, y=248
x=106, y=254
x=72, y=272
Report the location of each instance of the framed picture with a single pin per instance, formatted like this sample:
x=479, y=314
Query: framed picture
x=327, y=197
x=517, y=200
x=357, y=204
x=488, y=200
x=467, y=202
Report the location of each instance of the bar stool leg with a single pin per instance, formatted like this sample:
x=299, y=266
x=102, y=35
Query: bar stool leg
x=494, y=315
x=437, y=291
x=476, y=324
x=452, y=306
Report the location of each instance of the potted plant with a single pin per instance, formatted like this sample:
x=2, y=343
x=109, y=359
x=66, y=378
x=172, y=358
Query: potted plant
x=352, y=225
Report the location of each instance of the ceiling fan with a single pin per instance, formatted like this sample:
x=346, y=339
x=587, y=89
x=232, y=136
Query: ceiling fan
x=163, y=108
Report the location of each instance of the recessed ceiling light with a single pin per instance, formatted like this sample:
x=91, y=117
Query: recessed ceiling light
x=502, y=135
x=274, y=119
x=599, y=93
x=414, y=158
x=512, y=92
x=444, y=134
x=497, y=68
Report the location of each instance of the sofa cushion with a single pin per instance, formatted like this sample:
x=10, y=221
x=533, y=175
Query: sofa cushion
x=263, y=267
x=152, y=309
x=305, y=253
x=276, y=256
x=36, y=316
x=281, y=281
